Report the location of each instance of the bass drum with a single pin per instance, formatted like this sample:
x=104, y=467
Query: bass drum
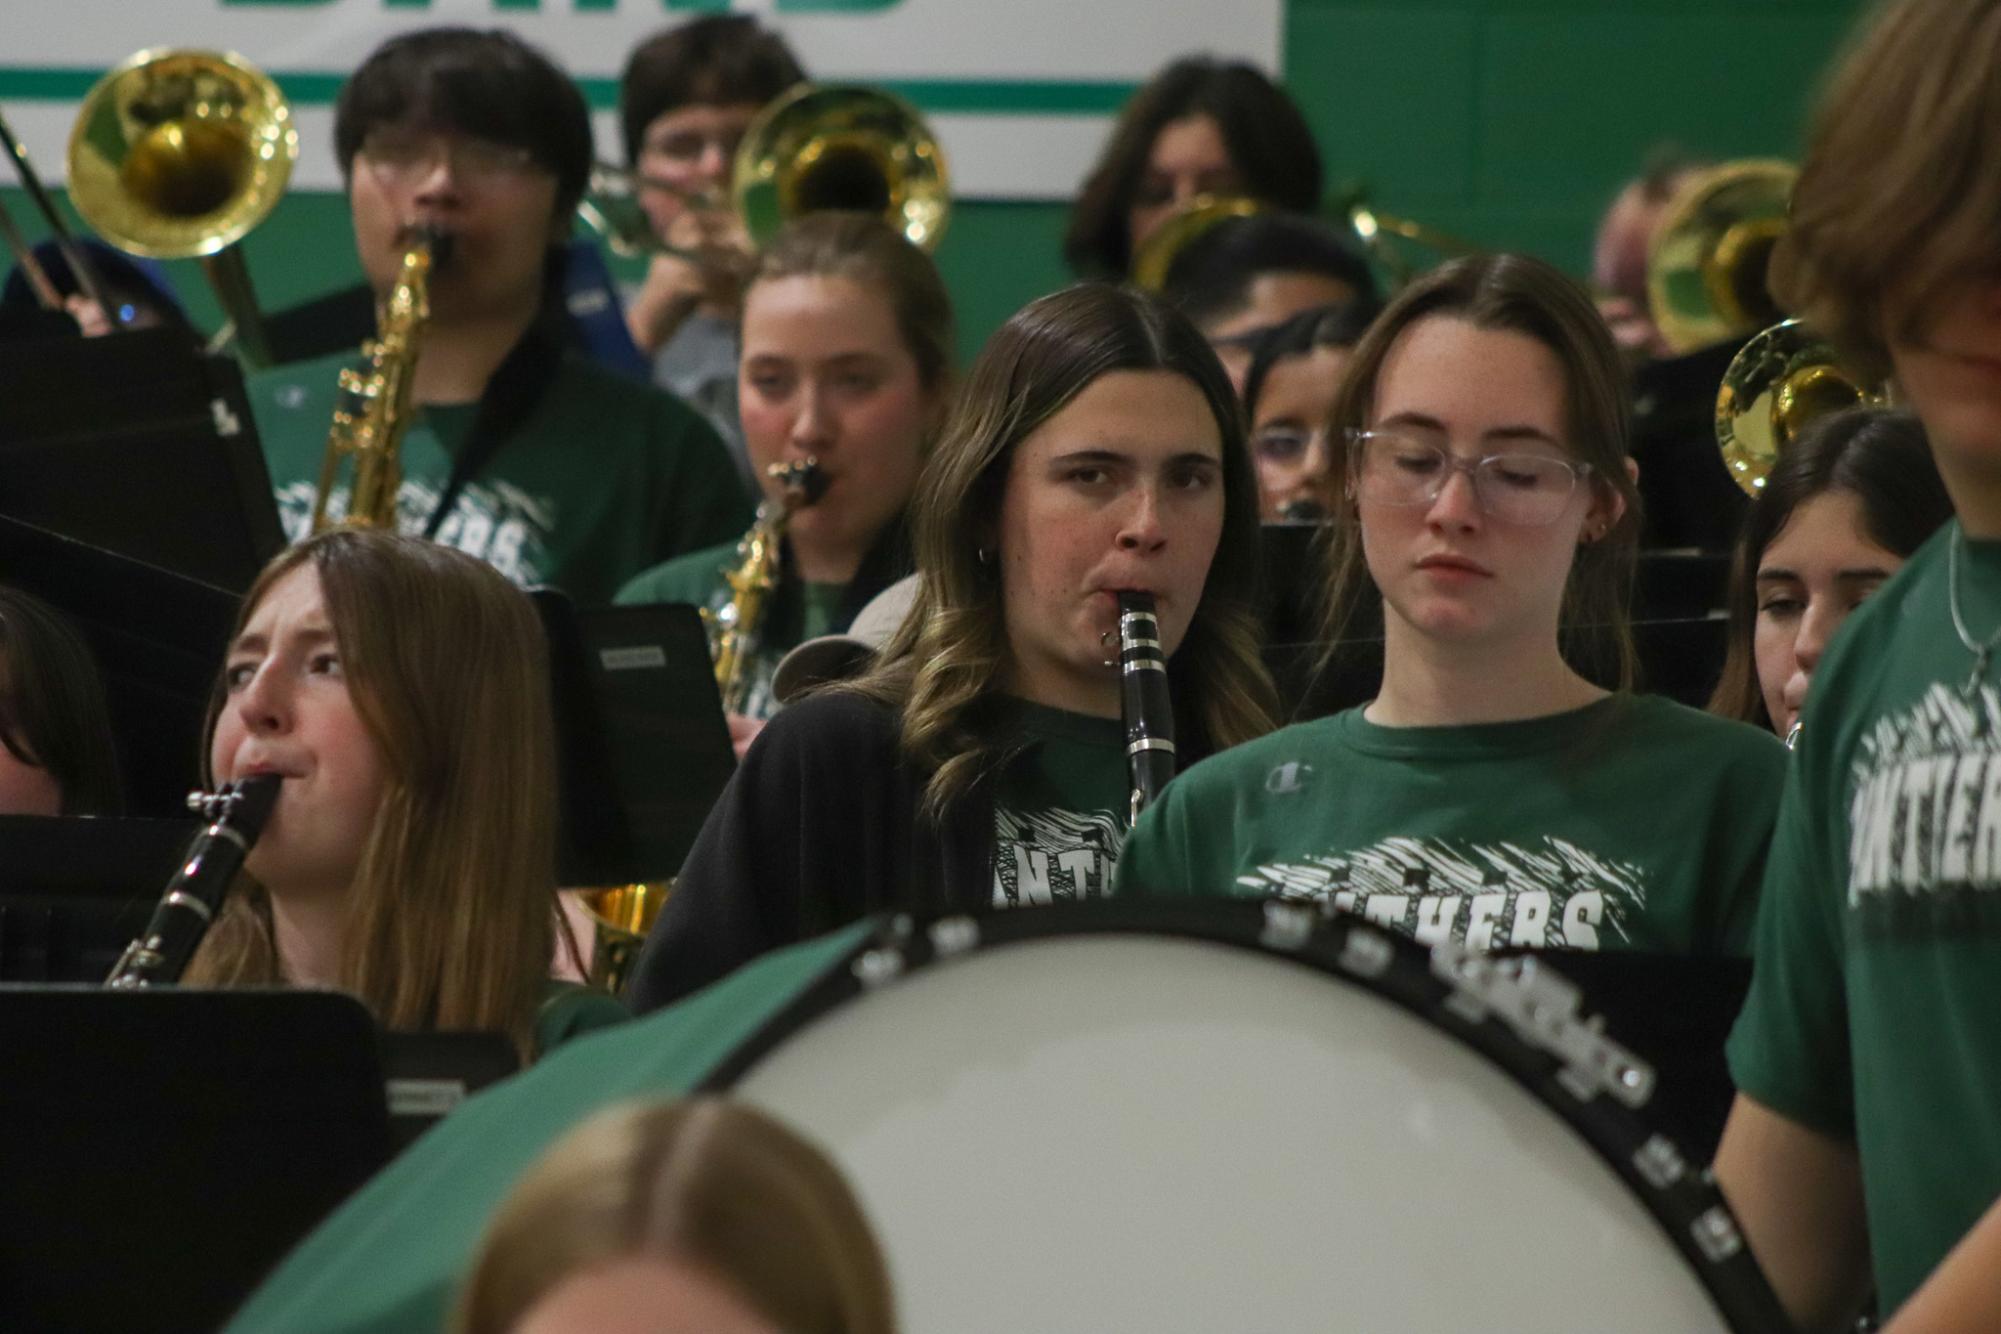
x=1248, y=1117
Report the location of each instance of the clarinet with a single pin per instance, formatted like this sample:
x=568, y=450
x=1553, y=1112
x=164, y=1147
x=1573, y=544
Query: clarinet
x=1143, y=703
x=236, y=815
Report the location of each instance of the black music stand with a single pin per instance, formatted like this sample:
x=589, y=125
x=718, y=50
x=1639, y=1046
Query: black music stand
x=157, y=636
x=644, y=748
x=166, y=1148
x=74, y=890
x=142, y=444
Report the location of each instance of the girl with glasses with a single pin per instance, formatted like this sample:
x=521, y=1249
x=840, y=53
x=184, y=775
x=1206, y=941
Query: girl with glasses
x=1295, y=370
x=1495, y=792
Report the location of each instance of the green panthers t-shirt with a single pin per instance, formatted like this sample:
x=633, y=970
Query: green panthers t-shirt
x=604, y=477
x=1059, y=808
x=1875, y=1005
x=798, y=610
x=1633, y=823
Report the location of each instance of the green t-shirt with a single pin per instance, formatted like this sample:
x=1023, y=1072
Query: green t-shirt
x=393, y=1256
x=1059, y=808
x=570, y=1011
x=1875, y=1006
x=797, y=611
x=1633, y=823
x=604, y=477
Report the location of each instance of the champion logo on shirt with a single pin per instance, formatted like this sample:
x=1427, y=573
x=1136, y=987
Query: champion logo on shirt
x=1288, y=778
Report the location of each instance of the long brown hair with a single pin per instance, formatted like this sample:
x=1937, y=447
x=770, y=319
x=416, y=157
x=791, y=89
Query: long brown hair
x=1518, y=294
x=943, y=667
x=450, y=921
x=1898, y=187
x=1874, y=454
x=716, y=1185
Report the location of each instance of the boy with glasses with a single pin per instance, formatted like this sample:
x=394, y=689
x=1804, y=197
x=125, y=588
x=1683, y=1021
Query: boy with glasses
x=518, y=450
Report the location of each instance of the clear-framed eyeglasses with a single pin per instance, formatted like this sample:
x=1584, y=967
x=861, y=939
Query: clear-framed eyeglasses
x=405, y=156
x=1398, y=468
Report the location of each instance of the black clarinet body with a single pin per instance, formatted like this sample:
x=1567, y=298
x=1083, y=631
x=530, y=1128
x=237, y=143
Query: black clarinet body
x=1144, y=703
x=236, y=816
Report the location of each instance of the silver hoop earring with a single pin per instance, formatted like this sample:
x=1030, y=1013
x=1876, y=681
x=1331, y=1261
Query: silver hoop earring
x=984, y=555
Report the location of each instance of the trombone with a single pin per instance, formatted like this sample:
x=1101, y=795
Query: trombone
x=82, y=272
x=1706, y=265
x=819, y=146
x=1780, y=381
x=1155, y=256
x=177, y=154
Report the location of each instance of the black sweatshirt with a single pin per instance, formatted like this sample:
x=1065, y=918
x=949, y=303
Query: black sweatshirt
x=820, y=826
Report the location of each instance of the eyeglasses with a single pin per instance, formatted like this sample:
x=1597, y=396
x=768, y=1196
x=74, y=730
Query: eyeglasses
x=405, y=157
x=690, y=146
x=1392, y=468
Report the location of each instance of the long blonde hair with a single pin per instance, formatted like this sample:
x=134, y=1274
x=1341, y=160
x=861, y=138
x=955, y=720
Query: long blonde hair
x=943, y=668
x=715, y=1184
x=450, y=920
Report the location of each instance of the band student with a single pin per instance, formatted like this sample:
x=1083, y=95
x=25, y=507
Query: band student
x=1492, y=793
x=1294, y=374
x=521, y=452
x=687, y=96
x=1200, y=126
x=1843, y=508
x=1096, y=447
x=705, y=1215
x=57, y=754
x=847, y=348
x=1866, y=1138
x=401, y=690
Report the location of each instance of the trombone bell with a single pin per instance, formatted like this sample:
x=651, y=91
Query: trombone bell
x=1706, y=267
x=177, y=154
x=833, y=146
x=1780, y=382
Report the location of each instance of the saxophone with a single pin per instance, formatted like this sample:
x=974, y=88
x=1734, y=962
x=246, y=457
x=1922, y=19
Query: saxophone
x=372, y=407
x=735, y=627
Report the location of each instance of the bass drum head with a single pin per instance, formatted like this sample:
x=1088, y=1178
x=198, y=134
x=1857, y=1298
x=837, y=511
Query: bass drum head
x=1133, y=1131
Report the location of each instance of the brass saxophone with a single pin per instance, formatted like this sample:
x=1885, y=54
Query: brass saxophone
x=735, y=628
x=372, y=408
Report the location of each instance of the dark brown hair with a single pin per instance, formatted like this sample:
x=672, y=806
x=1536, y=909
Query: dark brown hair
x=52, y=709
x=1898, y=195
x=1524, y=295
x=489, y=84
x=715, y=1185
x=1876, y=455
x=1269, y=143
x=942, y=669
x=715, y=60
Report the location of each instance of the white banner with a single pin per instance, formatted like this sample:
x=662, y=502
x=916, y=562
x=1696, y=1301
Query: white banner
x=1020, y=91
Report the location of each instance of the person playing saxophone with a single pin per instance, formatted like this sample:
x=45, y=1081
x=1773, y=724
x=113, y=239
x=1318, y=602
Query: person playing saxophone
x=847, y=344
x=517, y=450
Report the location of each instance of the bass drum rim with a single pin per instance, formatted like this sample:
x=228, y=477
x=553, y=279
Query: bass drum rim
x=1680, y=1197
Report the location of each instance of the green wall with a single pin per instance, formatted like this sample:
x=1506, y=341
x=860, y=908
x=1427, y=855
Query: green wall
x=1508, y=122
